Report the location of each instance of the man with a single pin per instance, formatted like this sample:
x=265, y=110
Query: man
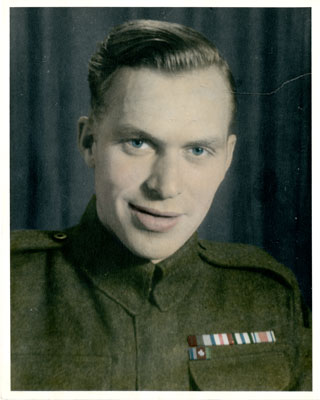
x=130, y=299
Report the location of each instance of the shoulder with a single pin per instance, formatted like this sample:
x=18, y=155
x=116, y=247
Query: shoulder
x=33, y=254
x=247, y=258
x=35, y=240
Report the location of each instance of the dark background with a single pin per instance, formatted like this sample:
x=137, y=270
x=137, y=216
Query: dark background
x=265, y=199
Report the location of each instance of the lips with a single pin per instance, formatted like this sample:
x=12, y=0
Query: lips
x=154, y=220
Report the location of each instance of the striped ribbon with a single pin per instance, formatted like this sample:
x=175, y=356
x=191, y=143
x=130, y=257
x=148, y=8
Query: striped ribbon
x=225, y=339
x=200, y=353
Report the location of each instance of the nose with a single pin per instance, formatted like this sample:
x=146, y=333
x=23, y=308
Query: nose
x=165, y=179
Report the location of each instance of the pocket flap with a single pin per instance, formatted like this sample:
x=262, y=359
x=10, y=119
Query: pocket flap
x=243, y=369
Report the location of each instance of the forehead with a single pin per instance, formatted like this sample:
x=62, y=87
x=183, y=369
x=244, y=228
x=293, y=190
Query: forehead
x=156, y=100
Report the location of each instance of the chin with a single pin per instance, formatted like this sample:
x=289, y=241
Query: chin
x=155, y=249
x=152, y=254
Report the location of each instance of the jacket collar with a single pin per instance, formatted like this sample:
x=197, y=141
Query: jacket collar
x=131, y=281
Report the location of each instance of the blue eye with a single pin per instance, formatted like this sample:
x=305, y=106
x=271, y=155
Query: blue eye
x=197, y=151
x=137, y=143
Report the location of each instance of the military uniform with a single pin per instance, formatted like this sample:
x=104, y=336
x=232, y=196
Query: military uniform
x=89, y=315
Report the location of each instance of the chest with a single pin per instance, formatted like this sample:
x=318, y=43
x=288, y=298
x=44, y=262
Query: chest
x=88, y=340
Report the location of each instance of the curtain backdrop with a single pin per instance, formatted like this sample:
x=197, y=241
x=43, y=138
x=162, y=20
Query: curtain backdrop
x=265, y=199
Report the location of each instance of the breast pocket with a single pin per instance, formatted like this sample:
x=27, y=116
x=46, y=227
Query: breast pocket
x=263, y=366
x=53, y=372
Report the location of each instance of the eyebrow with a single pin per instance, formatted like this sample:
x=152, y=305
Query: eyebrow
x=206, y=142
x=127, y=131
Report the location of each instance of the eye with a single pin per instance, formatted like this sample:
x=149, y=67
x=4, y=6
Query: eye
x=197, y=151
x=137, y=143
x=137, y=146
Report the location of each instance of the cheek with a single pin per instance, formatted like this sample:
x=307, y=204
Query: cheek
x=118, y=173
x=204, y=185
x=207, y=177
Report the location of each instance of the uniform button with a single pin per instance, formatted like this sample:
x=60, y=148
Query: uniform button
x=60, y=236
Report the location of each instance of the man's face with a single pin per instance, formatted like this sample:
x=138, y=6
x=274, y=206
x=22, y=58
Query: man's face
x=160, y=153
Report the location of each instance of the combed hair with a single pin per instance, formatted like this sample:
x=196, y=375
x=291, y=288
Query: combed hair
x=164, y=46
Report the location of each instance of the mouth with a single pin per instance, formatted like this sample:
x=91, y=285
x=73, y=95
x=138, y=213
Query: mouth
x=154, y=220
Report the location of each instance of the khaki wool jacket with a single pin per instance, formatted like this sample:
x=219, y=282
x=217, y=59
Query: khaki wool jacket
x=86, y=314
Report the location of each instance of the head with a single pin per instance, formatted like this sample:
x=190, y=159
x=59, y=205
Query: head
x=159, y=133
x=158, y=45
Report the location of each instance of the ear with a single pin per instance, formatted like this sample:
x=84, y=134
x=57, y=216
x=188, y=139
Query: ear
x=86, y=142
x=231, y=142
